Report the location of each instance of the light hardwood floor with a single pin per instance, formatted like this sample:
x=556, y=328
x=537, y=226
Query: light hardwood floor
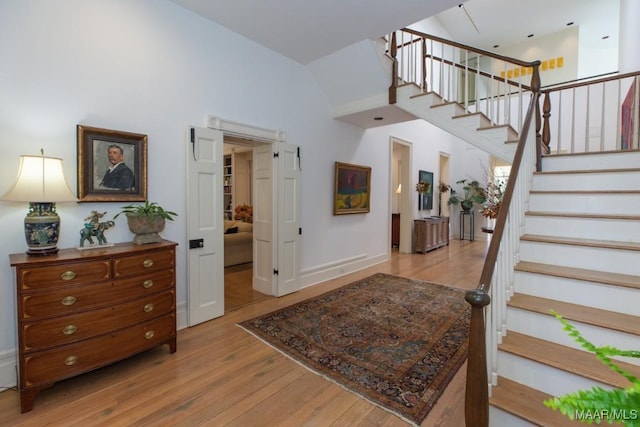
x=222, y=376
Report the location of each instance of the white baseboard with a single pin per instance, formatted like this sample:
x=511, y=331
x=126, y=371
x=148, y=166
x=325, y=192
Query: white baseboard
x=8, y=374
x=322, y=273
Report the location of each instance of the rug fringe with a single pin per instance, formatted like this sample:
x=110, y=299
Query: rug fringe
x=403, y=418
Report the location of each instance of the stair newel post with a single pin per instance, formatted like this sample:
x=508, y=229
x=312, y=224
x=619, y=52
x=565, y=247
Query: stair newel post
x=476, y=399
x=424, y=64
x=393, y=52
x=546, y=130
x=535, y=88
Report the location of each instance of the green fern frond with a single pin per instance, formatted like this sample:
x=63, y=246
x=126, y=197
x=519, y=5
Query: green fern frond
x=597, y=405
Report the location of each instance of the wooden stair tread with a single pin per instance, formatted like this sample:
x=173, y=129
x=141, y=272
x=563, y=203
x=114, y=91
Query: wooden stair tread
x=584, y=192
x=579, y=313
x=578, y=171
x=589, y=153
x=605, y=277
x=526, y=403
x=608, y=244
x=583, y=215
x=568, y=359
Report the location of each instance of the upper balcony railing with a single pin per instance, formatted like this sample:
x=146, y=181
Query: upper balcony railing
x=481, y=81
x=592, y=115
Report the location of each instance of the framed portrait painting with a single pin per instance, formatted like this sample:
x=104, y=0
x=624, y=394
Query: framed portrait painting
x=425, y=199
x=352, y=189
x=112, y=165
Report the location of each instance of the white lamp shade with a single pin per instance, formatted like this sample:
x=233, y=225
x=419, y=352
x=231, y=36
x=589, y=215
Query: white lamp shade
x=40, y=179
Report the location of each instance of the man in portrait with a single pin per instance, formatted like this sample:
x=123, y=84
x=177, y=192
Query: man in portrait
x=119, y=176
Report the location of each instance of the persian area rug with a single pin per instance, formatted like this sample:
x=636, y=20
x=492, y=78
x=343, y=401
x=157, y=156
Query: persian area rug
x=394, y=341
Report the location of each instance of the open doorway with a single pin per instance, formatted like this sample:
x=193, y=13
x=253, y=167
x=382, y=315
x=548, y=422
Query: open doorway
x=400, y=195
x=238, y=223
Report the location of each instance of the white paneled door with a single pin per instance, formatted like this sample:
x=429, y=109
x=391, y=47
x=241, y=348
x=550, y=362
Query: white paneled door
x=205, y=286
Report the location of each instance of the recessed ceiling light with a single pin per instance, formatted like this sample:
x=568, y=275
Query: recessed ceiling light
x=378, y=118
x=530, y=35
x=495, y=46
x=569, y=23
x=605, y=37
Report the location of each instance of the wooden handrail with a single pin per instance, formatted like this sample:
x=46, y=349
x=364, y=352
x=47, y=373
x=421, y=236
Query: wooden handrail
x=555, y=88
x=477, y=392
x=470, y=48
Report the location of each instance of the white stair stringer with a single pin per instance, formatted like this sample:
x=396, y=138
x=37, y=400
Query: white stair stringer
x=445, y=115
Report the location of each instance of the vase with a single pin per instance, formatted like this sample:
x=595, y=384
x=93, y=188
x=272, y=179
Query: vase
x=145, y=229
x=466, y=205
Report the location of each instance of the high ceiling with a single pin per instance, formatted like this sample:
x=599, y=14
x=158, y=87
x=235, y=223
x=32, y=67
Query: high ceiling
x=308, y=30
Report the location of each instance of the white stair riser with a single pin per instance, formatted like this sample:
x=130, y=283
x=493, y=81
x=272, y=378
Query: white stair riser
x=590, y=258
x=624, y=180
x=430, y=108
x=584, y=228
x=612, y=203
x=472, y=122
x=500, y=418
x=548, y=328
x=542, y=377
x=592, y=161
x=591, y=294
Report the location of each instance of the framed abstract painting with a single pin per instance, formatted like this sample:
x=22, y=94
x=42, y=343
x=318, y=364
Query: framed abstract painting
x=352, y=189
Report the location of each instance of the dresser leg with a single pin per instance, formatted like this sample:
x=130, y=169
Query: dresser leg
x=172, y=345
x=28, y=396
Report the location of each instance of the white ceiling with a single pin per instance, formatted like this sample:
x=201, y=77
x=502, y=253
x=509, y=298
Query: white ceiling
x=306, y=30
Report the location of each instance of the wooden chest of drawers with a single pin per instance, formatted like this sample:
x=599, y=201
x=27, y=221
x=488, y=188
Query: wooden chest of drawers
x=81, y=310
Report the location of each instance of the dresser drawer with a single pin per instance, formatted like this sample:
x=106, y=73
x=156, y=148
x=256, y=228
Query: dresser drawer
x=67, y=329
x=65, y=362
x=145, y=284
x=63, y=274
x=143, y=263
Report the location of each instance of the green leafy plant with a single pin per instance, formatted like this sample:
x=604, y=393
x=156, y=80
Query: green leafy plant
x=472, y=192
x=597, y=405
x=149, y=209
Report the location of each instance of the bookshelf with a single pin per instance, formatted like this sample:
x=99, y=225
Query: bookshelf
x=228, y=186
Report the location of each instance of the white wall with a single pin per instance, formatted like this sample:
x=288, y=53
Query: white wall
x=152, y=67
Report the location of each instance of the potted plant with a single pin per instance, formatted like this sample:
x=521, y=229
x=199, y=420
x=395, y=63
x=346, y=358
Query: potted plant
x=472, y=193
x=146, y=221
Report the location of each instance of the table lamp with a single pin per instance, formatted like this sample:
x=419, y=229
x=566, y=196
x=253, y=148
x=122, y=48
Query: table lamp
x=41, y=183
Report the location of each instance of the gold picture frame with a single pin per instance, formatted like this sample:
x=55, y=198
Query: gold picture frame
x=112, y=165
x=352, y=189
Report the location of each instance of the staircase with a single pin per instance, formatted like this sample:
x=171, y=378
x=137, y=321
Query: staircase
x=579, y=256
x=472, y=127
x=570, y=241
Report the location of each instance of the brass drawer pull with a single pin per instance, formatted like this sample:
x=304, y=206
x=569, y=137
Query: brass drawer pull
x=148, y=308
x=68, y=275
x=68, y=300
x=70, y=329
x=147, y=263
x=147, y=284
x=149, y=334
x=71, y=360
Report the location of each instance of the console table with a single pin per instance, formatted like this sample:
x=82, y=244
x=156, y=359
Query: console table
x=82, y=310
x=431, y=233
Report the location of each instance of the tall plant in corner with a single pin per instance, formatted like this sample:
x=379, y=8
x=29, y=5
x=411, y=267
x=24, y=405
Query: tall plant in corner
x=597, y=404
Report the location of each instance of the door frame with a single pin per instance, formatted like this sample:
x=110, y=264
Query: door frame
x=406, y=200
x=252, y=133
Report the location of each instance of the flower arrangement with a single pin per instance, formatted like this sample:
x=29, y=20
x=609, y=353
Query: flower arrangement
x=423, y=187
x=493, y=199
